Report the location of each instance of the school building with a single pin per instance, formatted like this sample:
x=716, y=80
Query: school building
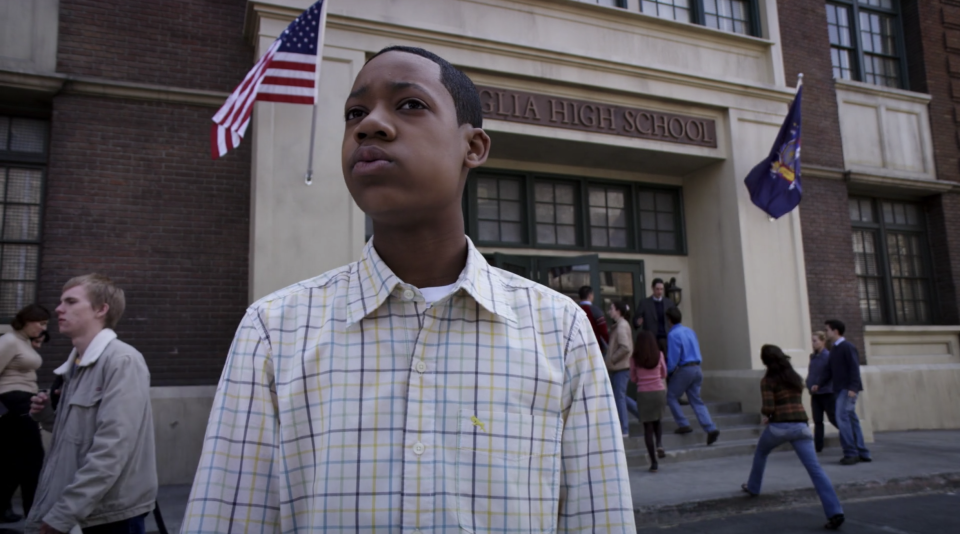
x=622, y=132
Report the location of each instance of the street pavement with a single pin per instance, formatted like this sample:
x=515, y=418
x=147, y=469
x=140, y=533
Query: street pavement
x=923, y=514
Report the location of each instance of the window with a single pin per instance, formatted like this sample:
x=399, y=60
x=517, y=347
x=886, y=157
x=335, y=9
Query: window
x=608, y=216
x=499, y=210
x=572, y=213
x=866, y=42
x=736, y=16
x=888, y=246
x=23, y=150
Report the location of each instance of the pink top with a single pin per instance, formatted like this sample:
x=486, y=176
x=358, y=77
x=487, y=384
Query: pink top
x=648, y=379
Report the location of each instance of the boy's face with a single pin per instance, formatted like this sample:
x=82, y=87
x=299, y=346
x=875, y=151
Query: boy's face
x=404, y=156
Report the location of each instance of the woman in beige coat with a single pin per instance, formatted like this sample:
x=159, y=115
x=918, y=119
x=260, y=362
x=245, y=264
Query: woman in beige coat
x=618, y=358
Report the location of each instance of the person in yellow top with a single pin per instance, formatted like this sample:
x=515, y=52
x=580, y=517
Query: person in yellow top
x=21, y=451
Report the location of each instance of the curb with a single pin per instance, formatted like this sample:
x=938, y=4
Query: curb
x=740, y=503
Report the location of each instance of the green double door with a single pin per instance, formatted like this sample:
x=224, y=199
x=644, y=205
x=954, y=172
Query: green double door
x=610, y=280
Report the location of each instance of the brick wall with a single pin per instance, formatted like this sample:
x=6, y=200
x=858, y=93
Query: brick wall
x=184, y=43
x=132, y=193
x=828, y=253
x=806, y=49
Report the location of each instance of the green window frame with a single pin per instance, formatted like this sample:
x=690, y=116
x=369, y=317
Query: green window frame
x=23, y=158
x=589, y=217
x=734, y=16
x=867, y=42
x=892, y=261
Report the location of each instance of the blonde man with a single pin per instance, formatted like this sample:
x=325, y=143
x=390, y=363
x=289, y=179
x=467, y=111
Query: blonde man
x=100, y=472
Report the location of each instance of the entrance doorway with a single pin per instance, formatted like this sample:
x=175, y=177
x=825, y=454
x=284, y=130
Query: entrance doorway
x=610, y=280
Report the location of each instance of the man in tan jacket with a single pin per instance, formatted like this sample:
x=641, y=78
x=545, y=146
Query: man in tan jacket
x=618, y=359
x=100, y=472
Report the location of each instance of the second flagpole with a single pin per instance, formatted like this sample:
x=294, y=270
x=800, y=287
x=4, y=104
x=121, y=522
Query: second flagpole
x=308, y=177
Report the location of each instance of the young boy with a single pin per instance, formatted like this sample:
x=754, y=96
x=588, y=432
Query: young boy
x=418, y=389
x=100, y=472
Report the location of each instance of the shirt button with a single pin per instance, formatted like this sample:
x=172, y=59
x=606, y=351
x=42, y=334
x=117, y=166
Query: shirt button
x=407, y=294
x=421, y=367
x=418, y=448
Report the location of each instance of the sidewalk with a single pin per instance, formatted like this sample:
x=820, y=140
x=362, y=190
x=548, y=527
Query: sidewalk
x=904, y=463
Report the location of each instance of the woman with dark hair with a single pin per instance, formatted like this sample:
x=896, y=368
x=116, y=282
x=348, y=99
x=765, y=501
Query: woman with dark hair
x=648, y=371
x=21, y=451
x=618, y=359
x=782, y=390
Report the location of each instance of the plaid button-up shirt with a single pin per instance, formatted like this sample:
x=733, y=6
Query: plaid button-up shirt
x=349, y=405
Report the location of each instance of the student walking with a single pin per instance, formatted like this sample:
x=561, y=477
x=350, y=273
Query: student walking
x=685, y=376
x=648, y=370
x=821, y=402
x=844, y=373
x=21, y=449
x=782, y=390
x=618, y=359
x=100, y=473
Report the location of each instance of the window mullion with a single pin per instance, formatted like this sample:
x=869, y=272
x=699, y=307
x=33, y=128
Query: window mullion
x=889, y=301
x=859, y=56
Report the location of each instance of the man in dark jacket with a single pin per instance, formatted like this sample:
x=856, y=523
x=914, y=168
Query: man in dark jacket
x=844, y=373
x=652, y=314
x=595, y=314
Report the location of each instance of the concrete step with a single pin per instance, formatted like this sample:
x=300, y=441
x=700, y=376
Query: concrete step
x=637, y=457
x=697, y=437
x=722, y=420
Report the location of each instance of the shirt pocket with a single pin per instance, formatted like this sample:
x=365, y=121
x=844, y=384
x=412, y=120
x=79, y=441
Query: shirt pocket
x=81, y=420
x=508, y=470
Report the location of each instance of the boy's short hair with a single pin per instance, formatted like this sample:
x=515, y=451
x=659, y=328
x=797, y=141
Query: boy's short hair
x=837, y=325
x=466, y=98
x=656, y=281
x=585, y=292
x=101, y=290
x=674, y=315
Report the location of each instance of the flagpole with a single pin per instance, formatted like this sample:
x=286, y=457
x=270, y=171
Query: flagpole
x=322, y=27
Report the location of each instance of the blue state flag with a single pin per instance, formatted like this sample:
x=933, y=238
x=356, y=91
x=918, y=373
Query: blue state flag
x=774, y=184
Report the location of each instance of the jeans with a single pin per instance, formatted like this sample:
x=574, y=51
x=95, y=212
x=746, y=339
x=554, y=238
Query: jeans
x=134, y=525
x=821, y=404
x=619, y=381
x=688, y=380
x=851, y=436
x=798, y=435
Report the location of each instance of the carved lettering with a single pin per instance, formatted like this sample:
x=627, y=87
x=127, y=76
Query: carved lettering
x=629, y=125
x=576, y=116
x=531, y=112
x=591, y=119
x=691, y=124
x=647, y=119
x=486, y=100
x=558, y=107
x=706, y=135
x=659, y=123
x=675, y=134
x=610, y=118
x=516, y=104
x=500, y=109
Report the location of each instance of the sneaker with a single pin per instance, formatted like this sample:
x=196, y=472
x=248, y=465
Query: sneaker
x=683, y=430
x=626, y=435
x=866, y=459
x=850, y=460
x=712, y=437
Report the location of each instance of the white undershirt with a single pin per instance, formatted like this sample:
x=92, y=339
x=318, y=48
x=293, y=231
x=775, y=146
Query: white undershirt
x=433, y=294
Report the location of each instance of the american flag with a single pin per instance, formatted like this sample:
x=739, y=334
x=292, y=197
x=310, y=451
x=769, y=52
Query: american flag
x=286, y=73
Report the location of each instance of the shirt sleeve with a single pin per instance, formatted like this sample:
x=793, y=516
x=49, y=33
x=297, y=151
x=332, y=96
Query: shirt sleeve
x=673, y=352
x=236, y=488
x=663, y=368
x=594, y=488
x=853, y=362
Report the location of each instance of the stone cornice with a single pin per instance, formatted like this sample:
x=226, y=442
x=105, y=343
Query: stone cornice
x=55, y=83
x=886, y=92
x=901, y=183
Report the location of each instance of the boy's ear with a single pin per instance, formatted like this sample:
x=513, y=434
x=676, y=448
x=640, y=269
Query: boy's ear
x=478, y=147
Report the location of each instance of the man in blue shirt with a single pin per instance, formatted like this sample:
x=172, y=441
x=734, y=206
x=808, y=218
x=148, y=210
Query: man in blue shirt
x=685, y=376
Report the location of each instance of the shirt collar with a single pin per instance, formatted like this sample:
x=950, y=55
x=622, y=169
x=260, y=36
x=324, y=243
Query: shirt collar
x=372, y=282
x=839, y=341
x=93, y=352
x=655, y=299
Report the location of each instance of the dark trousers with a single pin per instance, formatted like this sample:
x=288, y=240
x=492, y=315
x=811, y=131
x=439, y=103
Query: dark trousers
x=822, y=404
x=21, y=450
x=134, y=525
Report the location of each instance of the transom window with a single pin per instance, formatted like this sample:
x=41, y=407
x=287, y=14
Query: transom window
x=865, y=41
x=736, y=16
x=891, y=264
x=23, y=154
x=572, y=213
